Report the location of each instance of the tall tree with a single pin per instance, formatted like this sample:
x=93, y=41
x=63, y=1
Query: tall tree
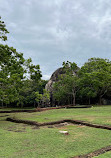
x=96, y=77
x=11, y=73
x=19, y=78
x=67, y=86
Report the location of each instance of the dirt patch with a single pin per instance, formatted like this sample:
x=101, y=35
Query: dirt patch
x=95, y=153
x=14, y=130
x=19, y=131
x=35, y=127
x=50, y=126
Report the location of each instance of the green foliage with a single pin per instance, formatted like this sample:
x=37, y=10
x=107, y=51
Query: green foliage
x=59, y=92
x=67, y=85
x=70, y=68
x=3, y=30
x=35, y=73
x=11, y=73
x=45, y=97
x=93, y=80
x=38, y=97
x=95, y=77
x=13, y=76
x=19, y=78
x=42, y=99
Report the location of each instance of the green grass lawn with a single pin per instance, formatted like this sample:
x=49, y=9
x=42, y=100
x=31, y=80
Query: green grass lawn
x=98, y=115
x=106, y=155
x=24, y=141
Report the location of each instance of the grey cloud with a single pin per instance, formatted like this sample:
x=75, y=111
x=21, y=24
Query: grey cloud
x=51, y=32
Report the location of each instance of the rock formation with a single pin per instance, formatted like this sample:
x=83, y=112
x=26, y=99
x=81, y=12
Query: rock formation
x=54, y=78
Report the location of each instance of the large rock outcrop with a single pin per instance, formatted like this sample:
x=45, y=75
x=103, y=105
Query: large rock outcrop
x=54, y=78
x=49, y=86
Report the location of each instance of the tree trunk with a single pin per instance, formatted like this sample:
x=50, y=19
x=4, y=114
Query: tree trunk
x=69, y=100
x=89, y=101
x=74, y=100
x=38, y=105
x=21, y=106
x=2, y=103
x=100, y=100
x=34, y=104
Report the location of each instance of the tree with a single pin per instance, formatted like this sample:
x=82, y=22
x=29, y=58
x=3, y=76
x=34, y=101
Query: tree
x=38, y=98
x=67, y=85
x=29, y=88
x=45, y=97
x=42, y=98
x=3, y=30
x=87, y=90
x=35, y=73
x=96, y=77
x=11, y=72
x=19, y=78
x=34, y=83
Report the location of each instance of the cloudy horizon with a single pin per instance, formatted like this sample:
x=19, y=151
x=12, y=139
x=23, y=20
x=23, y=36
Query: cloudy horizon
x=53, y=31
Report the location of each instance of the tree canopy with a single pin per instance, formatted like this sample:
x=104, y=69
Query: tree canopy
x=19, y=78
x=67, y=86
x=3, y=30
x=91, y=81
x=96, y=77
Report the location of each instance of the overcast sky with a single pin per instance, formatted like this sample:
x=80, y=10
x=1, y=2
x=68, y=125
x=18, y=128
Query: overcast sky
x=53, y=31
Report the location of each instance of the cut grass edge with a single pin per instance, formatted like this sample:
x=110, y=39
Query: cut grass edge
x=95, y=153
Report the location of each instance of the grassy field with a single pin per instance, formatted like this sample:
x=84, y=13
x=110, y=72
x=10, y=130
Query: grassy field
x=106, y=155
x=23, y=141
x=98, y=115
